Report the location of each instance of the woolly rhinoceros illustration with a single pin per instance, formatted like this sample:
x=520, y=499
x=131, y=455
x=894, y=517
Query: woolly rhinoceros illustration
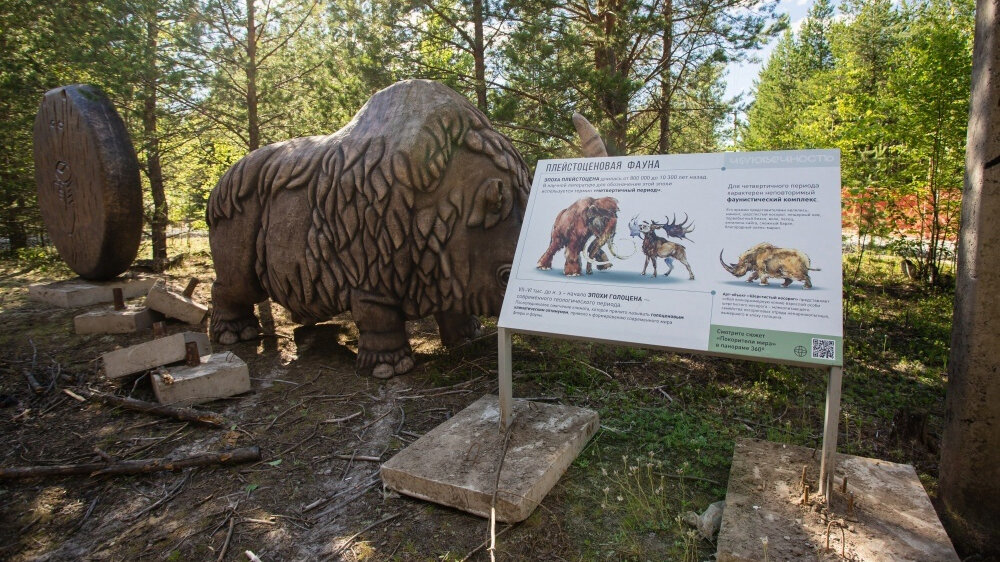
x=412, y=209
x=765, y=260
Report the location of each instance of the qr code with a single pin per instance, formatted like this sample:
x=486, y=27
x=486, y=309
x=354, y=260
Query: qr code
x=824, y=349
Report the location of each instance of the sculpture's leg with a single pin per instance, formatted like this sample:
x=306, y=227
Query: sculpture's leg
x=545, y=262
x=233, y=318
x=645, y=264
x=236, y=288
x=383, y=348
x=809, y=283
x=788, y=281
x=753, y=277
x=456, y=329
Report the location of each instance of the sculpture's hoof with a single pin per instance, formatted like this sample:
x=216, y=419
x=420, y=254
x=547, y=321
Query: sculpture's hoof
x=404, y=366
x=543, y=268
x=605, y=266
x=385, y=364
x=572, y=275
x=386, y=371
x=228, y=332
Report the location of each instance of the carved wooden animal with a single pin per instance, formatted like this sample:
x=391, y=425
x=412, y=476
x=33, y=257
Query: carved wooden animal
x=765, y=260
x=654, y=246
x=412, y=209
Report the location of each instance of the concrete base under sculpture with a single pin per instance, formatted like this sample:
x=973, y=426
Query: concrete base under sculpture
x=126, y=321
x=892, y=518
x=73, y=293
x=219, y=375
x=455, y=464
x=156, y=353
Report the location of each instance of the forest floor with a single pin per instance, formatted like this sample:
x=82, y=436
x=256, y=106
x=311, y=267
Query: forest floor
x=668, y=424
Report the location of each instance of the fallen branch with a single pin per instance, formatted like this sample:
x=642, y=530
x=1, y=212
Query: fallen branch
x=233, y=456
x=343, y=419
x=183, y=414
x=169, y=496
x=358, y=458
x=351, y=539
x=33, y=383
x=487, y=541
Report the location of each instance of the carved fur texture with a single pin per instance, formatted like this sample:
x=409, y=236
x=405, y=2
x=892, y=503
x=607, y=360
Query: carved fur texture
x=575, y=225
x=408, y=210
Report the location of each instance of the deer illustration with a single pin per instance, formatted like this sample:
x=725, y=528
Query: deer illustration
x=654, y=246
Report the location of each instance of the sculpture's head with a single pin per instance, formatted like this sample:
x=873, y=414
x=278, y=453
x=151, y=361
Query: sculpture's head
x=469, y=188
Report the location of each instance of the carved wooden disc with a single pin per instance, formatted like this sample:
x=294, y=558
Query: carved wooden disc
x=88, y=181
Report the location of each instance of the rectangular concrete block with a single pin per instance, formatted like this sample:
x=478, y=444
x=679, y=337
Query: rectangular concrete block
x=175, y=305
x=219, y=375
x=131, y=319
x=79, y=292
x=155, y=353
x=885, y=512
x=455, y=463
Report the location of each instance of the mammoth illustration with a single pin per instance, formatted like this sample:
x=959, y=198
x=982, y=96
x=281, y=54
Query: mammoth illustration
x=412, y=209
x=764, y=261
x=586, y=221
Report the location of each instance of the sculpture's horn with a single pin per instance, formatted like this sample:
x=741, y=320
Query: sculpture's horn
x=729, y=268
x=591, y=144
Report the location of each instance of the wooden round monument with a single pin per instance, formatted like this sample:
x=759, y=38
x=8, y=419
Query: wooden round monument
x=88, y=181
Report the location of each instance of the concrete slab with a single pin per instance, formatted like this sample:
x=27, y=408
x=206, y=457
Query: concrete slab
x=130, y=319
x=892, y=518
x=175, y=305
x=78, y=292
x=455, y=464
x=155, y=353
x=219, y=375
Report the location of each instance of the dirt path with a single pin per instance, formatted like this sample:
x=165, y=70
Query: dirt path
x=322, y=430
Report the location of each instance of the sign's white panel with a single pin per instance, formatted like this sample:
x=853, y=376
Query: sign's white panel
x=731, y=253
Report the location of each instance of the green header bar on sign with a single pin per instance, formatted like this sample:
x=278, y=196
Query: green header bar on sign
x=775, y=344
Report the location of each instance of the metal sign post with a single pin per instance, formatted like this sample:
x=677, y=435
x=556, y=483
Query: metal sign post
x=831, y=422
x=831, y=419
x=506, y=389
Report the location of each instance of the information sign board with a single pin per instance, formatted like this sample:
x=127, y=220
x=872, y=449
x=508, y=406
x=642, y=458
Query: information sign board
x=731, y=253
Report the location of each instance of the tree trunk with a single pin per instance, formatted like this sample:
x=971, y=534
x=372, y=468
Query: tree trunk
x=666, y=85
x=607, y=59
x=479, y=54
x=969, y=488
x=154, y=171
x=253, y=121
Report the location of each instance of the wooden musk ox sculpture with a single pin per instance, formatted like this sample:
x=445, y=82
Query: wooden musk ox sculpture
x=412, y=209
x=764, y=261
